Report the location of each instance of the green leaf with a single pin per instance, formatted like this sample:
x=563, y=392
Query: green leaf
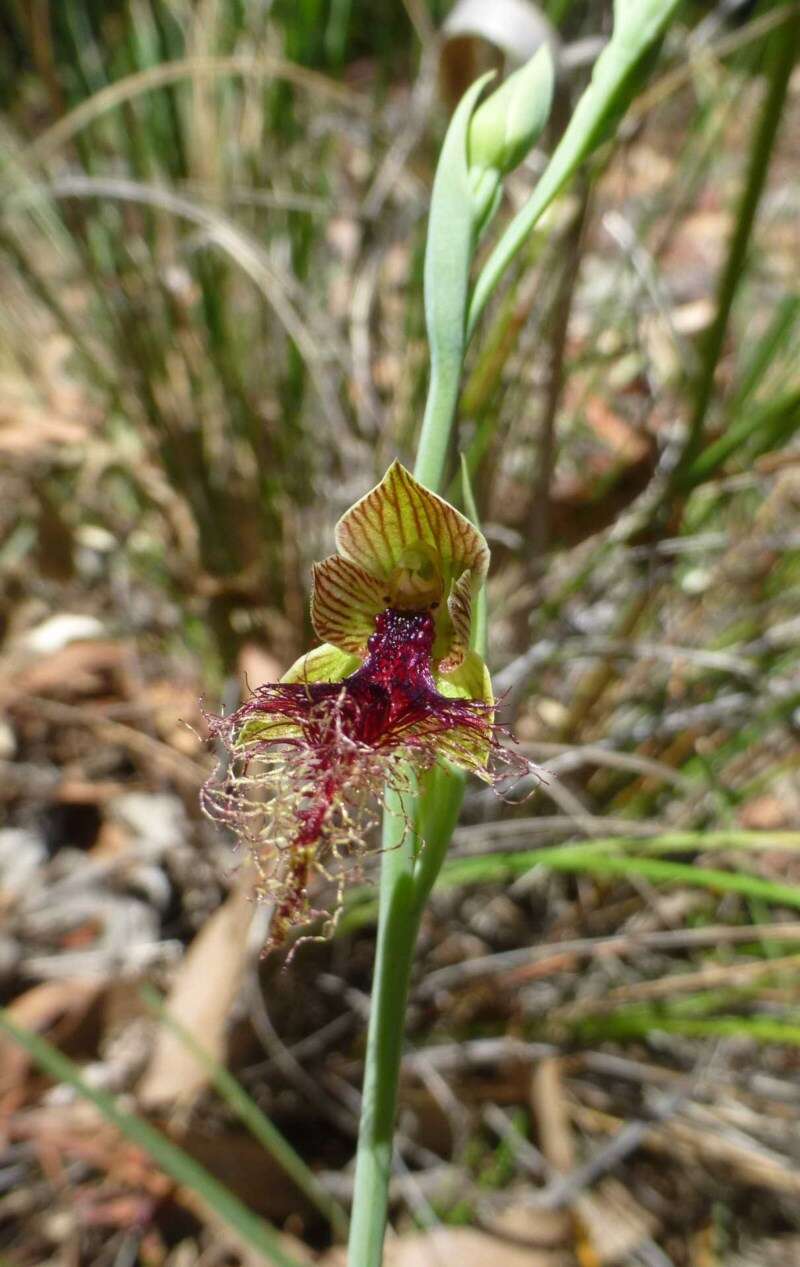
x=448, y=256
x=171, y=1159
x=638, y=25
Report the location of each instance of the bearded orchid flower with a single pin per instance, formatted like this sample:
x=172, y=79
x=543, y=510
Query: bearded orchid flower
x=396, y=707
x=394, y=688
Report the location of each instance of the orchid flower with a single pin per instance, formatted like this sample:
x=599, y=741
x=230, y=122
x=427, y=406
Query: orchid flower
x=394, y=688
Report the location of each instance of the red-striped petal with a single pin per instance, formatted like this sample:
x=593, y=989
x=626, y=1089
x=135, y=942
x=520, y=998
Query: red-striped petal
x=345, y=601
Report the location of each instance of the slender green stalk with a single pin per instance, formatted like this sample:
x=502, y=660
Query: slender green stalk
x=398, y=920
x=407, y=876
x=784, y=50
x=409, y=870
x=437, y=816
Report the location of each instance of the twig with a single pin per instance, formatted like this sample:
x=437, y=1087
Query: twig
x=182, y=768
x=456, y=975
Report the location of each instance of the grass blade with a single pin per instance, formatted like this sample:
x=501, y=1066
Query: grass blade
x=494, y=868
x=259, y=1126
x=640, y=1024
x=783, y=51
x=171, y=1159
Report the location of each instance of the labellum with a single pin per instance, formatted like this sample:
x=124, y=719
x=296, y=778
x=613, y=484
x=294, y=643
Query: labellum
x=393, y=689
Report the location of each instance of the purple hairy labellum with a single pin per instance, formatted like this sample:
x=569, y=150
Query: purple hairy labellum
x=309, y=758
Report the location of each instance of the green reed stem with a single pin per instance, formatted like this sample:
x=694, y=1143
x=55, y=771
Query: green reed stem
x=783, y=52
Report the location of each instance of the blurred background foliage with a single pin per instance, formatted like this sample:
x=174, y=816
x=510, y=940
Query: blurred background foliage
x=214, y=215
x=211, y=342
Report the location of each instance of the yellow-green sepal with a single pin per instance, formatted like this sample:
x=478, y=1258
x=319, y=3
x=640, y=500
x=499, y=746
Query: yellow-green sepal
x=345, y=601
x=324, y=664
x=399, y=516
x=464, y=746
x=471, y=680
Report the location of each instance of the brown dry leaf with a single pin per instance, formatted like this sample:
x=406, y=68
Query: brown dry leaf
x=459, y=1247
x=29, y=429
x=80, y=668
x=623, y=439
x=695, y=252
x=612, y=1222
x=38, y=1009
x=241, y=1163
x=202, y=994
x=766, y=813
x=552, y=1115
x=741, y=1159
x=646, y=170
x=546, y=1229
x=173, y=709
x=227, y=1238
x=79, y=1131
x=784, y=1251
x=256, y=665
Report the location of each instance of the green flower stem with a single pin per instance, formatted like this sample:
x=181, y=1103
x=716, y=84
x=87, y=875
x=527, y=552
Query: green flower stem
x=408, y=874
x=437, y=809
x=407, y=871
x=442, y=400
x=398, y=921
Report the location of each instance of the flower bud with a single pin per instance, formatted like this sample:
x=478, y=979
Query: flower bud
x=507, y=125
